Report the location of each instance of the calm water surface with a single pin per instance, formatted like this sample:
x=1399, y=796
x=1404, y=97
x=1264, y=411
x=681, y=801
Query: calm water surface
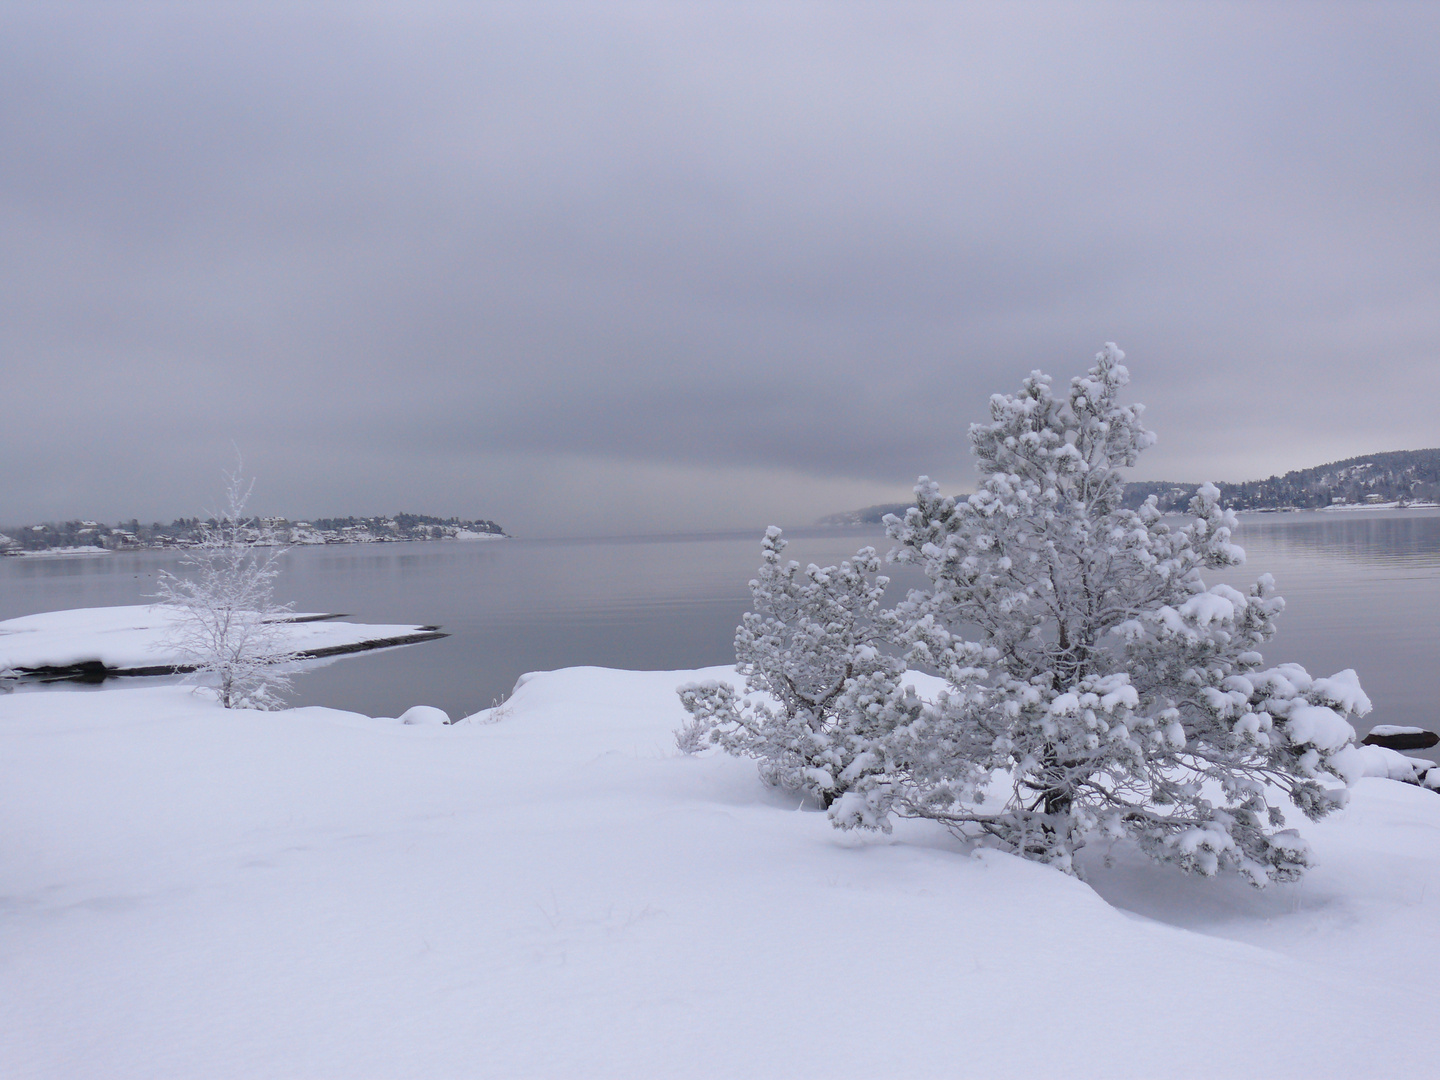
x=1362, y=588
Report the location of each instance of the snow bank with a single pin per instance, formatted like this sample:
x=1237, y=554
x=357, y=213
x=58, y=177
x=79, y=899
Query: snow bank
x=141, y=637
x=558, y=893
x=1356, y=761
x=424, y=714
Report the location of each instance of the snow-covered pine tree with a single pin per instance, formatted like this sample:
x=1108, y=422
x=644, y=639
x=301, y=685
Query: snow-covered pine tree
x=807, y=650
x=229, y=626
x=1090, y=666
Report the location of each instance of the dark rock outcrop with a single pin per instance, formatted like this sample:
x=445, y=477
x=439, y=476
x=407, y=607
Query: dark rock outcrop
x=1402, y=738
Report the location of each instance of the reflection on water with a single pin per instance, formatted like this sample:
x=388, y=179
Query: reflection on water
x=1362, y=591
x=1409, y=537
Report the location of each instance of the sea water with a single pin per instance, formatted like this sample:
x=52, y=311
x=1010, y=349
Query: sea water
x=1362, y=591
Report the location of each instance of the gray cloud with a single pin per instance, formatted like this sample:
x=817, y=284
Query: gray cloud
x=604, y=268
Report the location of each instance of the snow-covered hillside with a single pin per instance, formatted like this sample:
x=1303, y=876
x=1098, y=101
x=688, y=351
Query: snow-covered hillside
x=553, y=891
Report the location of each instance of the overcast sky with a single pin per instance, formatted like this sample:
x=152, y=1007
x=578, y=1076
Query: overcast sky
x=616, y=268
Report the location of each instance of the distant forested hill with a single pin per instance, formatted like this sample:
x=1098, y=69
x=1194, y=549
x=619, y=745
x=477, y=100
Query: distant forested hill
x=1398, y=476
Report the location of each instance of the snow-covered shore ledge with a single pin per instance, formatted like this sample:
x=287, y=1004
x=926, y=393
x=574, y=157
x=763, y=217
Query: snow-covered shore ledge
x=553, y=890
x=462, y=536
x=1347, y=507
x=141, y=640
x=1333, y=508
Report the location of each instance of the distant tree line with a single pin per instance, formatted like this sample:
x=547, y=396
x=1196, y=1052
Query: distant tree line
x=184, y=532
x=1404, y=476
x=407, y=526
x=1399, y=476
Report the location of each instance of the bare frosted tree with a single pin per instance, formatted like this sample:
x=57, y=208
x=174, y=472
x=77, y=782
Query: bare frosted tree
x=229, y=625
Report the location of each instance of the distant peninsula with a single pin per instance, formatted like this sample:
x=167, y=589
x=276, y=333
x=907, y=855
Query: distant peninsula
x=92, y=536
x=871, y=515
x=1396, y=478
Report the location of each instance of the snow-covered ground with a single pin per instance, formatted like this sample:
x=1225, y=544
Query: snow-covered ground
x=144, y=636
x=554, y=891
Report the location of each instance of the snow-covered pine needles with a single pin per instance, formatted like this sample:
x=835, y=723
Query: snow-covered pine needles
x=1097, y=688
x=807, y=647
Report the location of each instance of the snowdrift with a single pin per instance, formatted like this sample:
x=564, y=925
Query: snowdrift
x=550, y=889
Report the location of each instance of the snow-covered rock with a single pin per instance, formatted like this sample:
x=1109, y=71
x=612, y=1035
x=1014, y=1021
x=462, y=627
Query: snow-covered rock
x=144, y=636
x=424, y=714
x=1398, y=737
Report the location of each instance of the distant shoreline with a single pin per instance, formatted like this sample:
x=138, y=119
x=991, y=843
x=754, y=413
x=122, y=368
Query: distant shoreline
x=64, y=552
x=1341, y=508
x=79, y=537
